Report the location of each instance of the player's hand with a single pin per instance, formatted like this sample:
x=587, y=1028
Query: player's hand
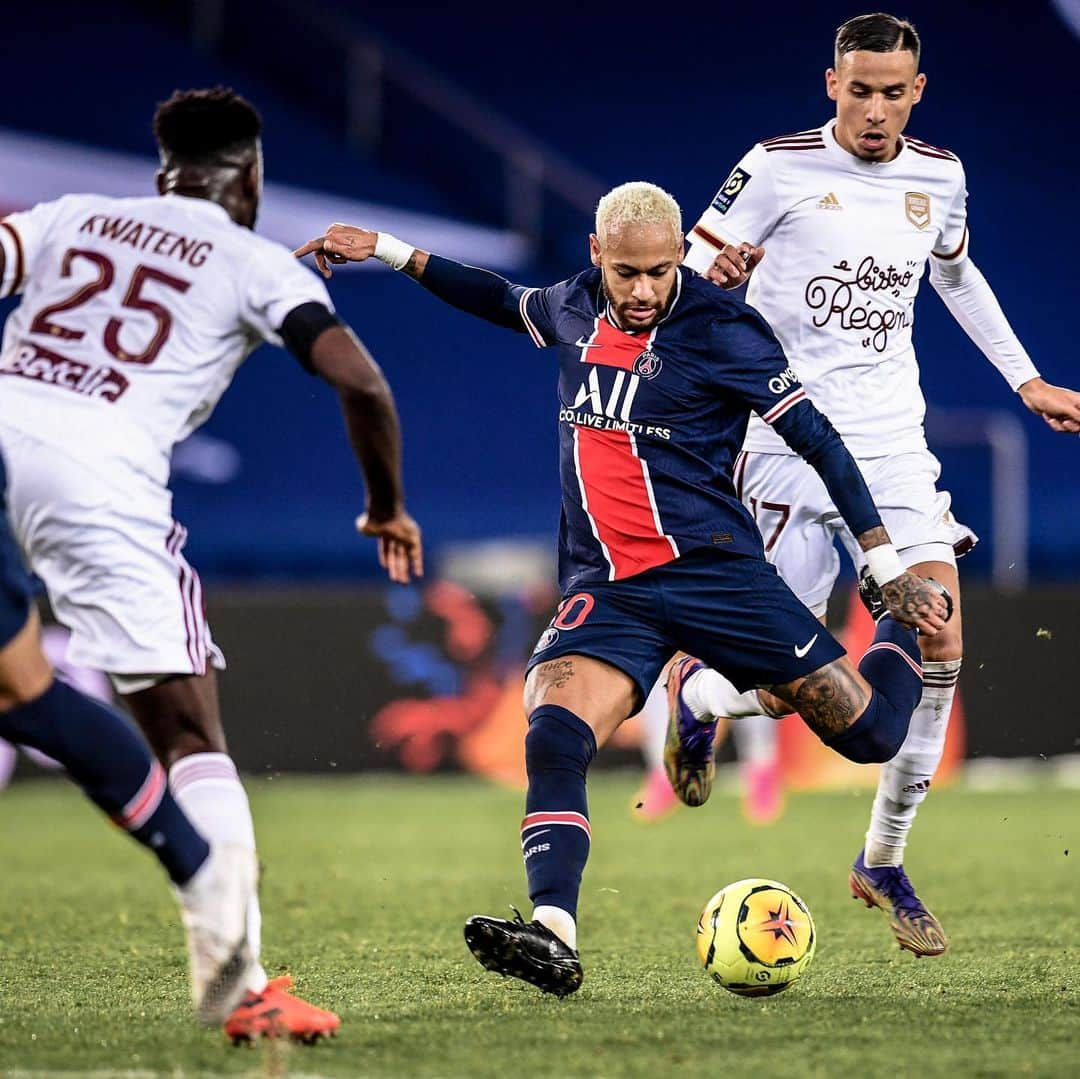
x=913, y=602
x=1058, y=406
x=340, y=244
x=734, y=264
x=401, y=550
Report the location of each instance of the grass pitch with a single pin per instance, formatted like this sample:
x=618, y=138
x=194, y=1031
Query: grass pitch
x=369, y=880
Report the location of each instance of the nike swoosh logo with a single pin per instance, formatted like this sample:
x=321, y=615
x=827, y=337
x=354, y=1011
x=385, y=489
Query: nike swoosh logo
x=800, y=652
x=582, y=343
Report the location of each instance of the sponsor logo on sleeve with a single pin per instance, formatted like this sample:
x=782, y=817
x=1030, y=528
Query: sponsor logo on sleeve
x=783, y=381
x=730, y=191
x=917, y=208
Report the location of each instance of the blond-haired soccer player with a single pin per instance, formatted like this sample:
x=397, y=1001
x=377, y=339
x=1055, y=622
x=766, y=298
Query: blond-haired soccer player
x=658, y=371
x=851, y=213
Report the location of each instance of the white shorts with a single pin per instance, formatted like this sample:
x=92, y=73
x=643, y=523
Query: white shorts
x=104, y=542
x=799, y=522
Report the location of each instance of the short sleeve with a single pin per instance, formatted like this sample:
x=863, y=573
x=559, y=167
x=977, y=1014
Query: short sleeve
x=22, y=238
x=538, y=308
x=752, y=365
x=952, y=240
x=277, y=284
x=744, y=210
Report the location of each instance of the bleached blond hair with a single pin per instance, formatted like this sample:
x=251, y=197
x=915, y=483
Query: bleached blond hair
x=636, y=203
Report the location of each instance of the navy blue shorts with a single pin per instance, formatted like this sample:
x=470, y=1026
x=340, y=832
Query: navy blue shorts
x=15, y=589
x=733, y=612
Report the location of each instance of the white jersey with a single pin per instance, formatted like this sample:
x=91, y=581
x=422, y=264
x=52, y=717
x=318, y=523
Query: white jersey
x=846, y=245
x=136, y=313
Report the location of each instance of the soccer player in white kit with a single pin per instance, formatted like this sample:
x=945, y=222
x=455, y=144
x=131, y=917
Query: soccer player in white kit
x=850, y=214
x=135, y=314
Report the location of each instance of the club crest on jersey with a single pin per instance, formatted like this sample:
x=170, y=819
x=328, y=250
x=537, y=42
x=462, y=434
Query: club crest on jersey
x=730, y=191
x=648, y=364
x=917, y=208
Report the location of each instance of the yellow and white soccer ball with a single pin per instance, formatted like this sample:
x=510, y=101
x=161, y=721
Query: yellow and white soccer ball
x=755, y=937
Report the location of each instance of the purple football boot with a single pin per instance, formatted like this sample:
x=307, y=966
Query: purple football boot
x=888, y=887
x=688, y=752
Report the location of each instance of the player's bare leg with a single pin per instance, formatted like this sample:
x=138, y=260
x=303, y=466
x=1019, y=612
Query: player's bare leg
x=878, y=876
x=181, y=718
x=574, y=703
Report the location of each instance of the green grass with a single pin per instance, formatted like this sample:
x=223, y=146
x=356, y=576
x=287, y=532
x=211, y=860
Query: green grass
x=368, y=882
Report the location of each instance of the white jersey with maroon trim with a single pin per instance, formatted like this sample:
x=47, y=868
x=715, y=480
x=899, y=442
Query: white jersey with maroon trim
x=136, y=313
x=846, y=242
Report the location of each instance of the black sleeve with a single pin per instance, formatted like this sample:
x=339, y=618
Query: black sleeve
x=302, y=326
x=474, y=291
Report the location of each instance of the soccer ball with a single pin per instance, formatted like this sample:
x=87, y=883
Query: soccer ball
x=755, y=937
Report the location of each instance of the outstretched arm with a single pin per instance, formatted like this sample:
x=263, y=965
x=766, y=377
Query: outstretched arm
x=971, y=301
x=470, y=289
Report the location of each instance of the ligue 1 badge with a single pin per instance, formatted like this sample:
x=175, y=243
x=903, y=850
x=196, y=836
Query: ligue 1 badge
x=648, y=364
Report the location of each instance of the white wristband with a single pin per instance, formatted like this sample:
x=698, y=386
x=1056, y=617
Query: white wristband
x=394, y=252
x=884, y=563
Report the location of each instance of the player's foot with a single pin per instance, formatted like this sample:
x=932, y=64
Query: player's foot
x=688, y=752
x=888, y=887
x=656, y=799
x=214, y=909
x=874, y=601
x=276, y=1013
x=526, y=950
x=763, y=796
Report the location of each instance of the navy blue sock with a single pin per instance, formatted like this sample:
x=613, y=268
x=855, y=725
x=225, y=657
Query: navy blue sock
x=105, y=755
x=893, y=667
x=555, y=833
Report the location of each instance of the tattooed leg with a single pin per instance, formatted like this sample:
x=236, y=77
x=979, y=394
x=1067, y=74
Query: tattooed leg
x=829, y=700
x=601, y=695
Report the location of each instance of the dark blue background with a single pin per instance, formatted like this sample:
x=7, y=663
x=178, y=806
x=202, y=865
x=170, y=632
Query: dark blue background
x=672, y=94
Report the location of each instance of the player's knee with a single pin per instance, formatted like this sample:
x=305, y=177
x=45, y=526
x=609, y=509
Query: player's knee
x=944, y=647
x=876, y=736
x=558, y=739
x=25, y=673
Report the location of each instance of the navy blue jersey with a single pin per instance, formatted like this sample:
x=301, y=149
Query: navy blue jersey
x=650, y=423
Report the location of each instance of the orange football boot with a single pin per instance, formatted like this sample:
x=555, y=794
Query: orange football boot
x=276, y=1013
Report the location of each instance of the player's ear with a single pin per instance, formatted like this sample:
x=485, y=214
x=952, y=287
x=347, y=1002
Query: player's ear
x=159, y=181
x=917, y=89
x=682, y=248
x=832, y=84
x=252, y=179
x=594, y=249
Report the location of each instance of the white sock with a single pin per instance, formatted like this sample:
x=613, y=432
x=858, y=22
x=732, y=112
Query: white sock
x=708, y=694
x=653, y=718
x=905, y=780
x=208, y=789
x=755, y=739
x=559, y=921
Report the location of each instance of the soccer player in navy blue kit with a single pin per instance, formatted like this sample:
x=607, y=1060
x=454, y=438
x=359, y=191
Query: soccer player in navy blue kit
x=658, y=373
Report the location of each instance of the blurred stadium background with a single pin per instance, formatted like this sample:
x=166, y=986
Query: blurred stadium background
x=488, y=134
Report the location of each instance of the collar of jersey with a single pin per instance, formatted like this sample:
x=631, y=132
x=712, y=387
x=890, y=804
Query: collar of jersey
x=195, y=203
x=877, y=168
x=604, y=308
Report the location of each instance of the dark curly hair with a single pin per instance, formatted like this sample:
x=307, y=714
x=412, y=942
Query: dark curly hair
x=198, y=125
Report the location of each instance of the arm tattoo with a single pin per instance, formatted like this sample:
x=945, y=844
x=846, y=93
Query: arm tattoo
x=874, y=537
x=829, y=700
x=416, y=265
